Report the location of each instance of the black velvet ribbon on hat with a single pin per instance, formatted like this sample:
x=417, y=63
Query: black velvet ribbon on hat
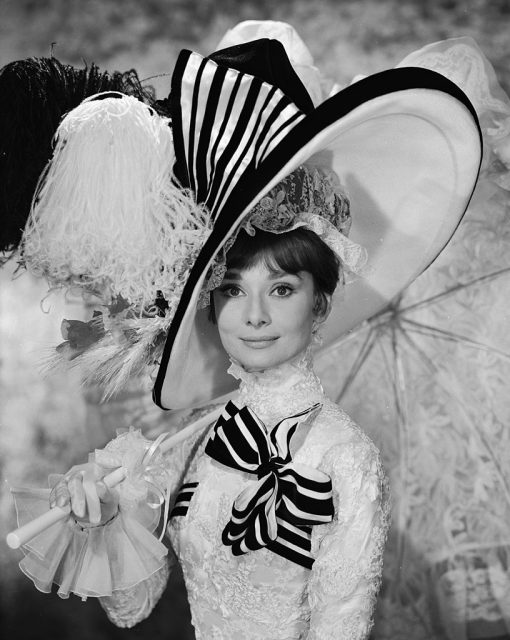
x=267, y=59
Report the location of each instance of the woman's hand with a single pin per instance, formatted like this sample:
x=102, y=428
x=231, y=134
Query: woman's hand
x=82, y=488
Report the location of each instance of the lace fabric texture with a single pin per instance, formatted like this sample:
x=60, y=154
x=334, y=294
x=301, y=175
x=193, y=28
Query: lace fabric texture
x=353, y=257
x=261, y=595
x=469, y=581
x=130, y=606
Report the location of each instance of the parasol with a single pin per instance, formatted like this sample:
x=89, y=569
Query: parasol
x=428, y=380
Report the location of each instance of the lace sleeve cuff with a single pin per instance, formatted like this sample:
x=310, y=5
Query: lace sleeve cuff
x=96, y=561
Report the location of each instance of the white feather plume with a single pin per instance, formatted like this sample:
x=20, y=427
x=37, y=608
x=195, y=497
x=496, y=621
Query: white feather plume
x=108, y=215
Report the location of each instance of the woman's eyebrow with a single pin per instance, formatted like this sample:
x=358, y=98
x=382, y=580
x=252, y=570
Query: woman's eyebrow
x=283, y=274
x=236, y=274
x=232, y=275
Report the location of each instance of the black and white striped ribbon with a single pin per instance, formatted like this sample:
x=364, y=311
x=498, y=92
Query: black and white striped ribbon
x=279, y=509
x=183, y=499
x=227, y=123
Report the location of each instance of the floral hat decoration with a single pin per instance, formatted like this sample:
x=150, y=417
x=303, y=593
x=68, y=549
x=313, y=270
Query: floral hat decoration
x=142, y=201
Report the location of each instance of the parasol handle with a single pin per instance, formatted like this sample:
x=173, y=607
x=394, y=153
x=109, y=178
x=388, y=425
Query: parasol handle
x=24, y=534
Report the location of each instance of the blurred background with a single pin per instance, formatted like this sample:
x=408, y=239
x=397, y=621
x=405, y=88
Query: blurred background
x=446, y=450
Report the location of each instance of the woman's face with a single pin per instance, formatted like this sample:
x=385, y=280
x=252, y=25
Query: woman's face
x=264, y=317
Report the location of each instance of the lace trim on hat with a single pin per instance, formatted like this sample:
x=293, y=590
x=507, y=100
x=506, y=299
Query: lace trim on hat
x=309, y=197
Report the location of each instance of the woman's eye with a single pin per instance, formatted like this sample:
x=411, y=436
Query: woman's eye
x=231, y=291
x=283, y=290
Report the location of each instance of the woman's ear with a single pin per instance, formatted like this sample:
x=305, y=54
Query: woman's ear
x=322, y=307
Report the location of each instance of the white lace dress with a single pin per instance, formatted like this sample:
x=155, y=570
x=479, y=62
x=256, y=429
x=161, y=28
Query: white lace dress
x=261, y=595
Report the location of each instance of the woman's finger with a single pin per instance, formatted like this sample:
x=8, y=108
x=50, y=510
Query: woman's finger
x=60, y=496
x=106, y=495
x=91, y=497
x=78, y=502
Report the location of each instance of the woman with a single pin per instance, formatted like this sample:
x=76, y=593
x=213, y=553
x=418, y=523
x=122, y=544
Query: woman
x=276, y=292
x=280, y=509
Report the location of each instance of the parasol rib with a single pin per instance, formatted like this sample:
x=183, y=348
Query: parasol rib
x=444, y=334
x=458, y=287
x=364, y=352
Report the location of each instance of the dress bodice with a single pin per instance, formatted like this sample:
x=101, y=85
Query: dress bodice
x=261, y=595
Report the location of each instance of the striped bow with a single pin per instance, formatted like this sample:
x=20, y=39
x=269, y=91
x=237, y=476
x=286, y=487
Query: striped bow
x=287, y=498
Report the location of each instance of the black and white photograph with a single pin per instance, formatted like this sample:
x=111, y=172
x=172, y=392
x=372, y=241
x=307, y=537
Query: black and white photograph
x=254, y=320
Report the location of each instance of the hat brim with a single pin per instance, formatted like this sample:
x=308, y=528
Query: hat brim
x=407, y=147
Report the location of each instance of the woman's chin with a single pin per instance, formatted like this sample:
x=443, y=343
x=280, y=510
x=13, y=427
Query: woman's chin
x=258, y=359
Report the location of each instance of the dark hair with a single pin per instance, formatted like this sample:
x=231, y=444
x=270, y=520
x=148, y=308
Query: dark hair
x=292, y=251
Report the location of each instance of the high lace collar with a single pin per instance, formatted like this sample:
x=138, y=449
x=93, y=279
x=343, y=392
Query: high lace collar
x=279, y=391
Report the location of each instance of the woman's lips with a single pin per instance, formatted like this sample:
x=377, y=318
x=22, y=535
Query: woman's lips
x=259, y=343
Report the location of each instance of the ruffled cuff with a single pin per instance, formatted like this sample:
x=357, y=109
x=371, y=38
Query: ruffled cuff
x=93, y=561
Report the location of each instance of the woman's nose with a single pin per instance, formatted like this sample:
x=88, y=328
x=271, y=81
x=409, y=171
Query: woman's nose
x=257, y=313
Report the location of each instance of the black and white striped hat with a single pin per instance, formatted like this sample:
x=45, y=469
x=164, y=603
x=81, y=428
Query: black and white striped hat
x=405, y=143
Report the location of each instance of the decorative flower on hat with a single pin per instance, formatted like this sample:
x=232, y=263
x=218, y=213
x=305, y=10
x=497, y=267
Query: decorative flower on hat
x=307, y=190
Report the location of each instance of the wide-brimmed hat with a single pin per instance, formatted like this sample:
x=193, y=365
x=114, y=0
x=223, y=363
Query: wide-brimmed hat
x=405, y=144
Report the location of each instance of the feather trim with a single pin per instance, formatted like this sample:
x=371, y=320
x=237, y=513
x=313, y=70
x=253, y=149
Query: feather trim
x=110, y=357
